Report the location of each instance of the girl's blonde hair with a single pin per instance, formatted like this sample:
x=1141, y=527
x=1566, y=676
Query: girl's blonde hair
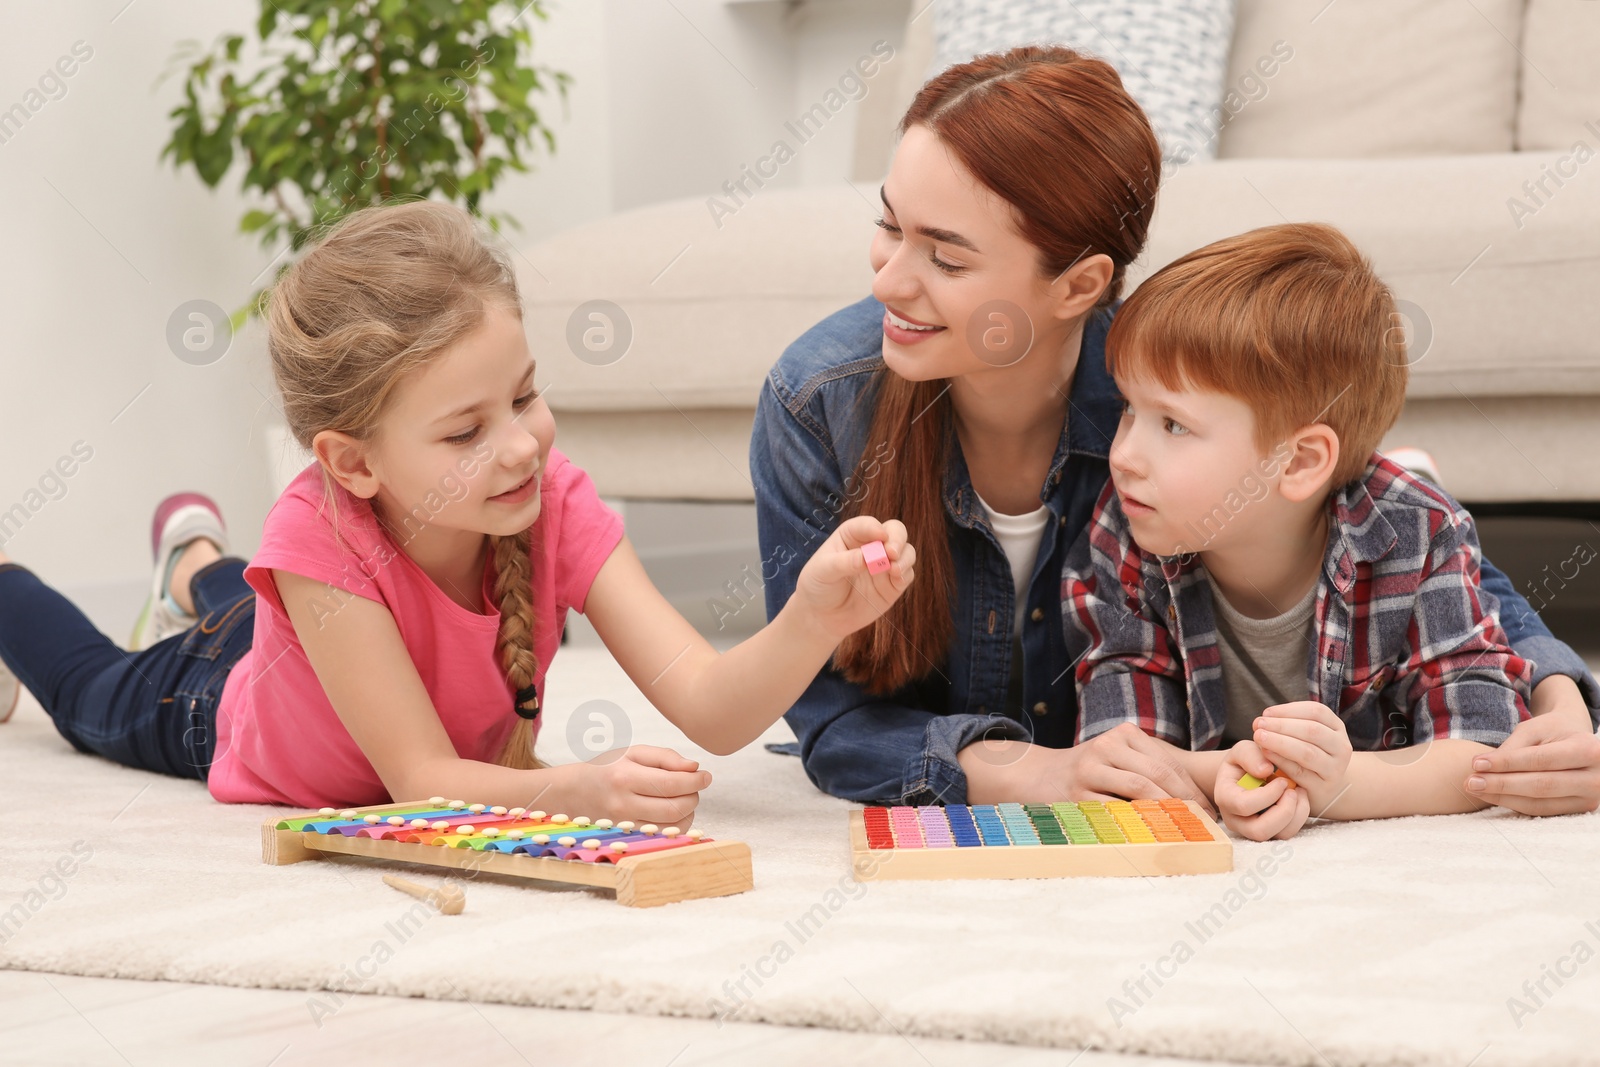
x=378, y=298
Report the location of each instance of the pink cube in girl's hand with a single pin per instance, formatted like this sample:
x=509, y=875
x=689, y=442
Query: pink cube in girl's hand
x=877, y=559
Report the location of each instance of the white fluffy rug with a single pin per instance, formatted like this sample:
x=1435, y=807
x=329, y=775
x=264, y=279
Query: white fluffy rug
x=1450, y=941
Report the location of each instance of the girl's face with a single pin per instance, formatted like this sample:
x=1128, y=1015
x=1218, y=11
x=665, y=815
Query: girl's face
x=463, y=445
x=963, y=288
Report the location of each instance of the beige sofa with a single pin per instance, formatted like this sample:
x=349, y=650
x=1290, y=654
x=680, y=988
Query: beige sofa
x=1412, y=124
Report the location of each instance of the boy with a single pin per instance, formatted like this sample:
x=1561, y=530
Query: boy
x=1260, y=586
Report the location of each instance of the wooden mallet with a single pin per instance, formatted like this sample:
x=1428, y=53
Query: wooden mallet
x=448, y=899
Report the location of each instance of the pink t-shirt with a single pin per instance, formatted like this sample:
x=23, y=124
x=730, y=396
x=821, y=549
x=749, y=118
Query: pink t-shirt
x=279, y=741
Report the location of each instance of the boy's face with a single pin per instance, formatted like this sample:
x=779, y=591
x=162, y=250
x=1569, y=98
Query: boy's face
x=1187, y=468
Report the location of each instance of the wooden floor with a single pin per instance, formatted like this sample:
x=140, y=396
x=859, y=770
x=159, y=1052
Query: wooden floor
x=88, y=1022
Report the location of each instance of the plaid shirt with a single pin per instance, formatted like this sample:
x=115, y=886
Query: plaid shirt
x=1408, y=645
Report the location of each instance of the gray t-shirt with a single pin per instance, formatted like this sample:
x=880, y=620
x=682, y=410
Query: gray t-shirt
x=1263, y=660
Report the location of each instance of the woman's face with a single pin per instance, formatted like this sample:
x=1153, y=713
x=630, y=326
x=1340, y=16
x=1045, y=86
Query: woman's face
x=963, y=289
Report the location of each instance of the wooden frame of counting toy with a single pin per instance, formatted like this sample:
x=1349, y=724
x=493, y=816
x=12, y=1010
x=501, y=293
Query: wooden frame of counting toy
x=663, y=865
x=1103, y=839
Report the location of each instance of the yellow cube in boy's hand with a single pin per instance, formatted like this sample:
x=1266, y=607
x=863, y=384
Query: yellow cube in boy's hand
x=1250, y=781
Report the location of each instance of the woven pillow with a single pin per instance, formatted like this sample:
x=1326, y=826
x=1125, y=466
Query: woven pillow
x=1172, y=54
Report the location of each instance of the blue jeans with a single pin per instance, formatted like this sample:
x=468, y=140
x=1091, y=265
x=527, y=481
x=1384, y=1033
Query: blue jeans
x=155, y=709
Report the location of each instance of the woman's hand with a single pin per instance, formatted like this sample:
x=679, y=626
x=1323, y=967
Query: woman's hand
x=836, y=592
x=1122, y=763
x=1550, y=765
x=1275, y=809
x=1308, y=742
x=642, y=783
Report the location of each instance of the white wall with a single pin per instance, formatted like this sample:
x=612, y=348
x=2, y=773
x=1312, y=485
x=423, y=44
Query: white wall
x=703, y=87
x=102, y=242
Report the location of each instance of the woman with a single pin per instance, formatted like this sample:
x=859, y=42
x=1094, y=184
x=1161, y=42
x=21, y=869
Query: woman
x=968, y=395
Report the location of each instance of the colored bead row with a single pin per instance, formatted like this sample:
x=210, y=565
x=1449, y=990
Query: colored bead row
x=1085, y=822
x=514, y=831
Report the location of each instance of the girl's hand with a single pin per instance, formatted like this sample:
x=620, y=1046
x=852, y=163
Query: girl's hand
x=835, y=590
x=1308, y=742
x=1265, y=812
x=642, y=783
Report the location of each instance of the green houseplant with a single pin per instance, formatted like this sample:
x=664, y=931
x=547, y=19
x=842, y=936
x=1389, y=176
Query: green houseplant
x=346, y=103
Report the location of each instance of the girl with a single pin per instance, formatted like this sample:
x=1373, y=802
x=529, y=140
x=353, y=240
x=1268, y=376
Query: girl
x=969, y=395
x=390, y=638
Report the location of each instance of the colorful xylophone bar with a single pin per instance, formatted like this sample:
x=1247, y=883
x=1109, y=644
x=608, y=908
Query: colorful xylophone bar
x=1104, y=838
x=645, y=864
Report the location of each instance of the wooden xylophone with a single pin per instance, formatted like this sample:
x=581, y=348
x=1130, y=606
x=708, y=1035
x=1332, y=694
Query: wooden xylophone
x=646, y=865
x=1103, y=838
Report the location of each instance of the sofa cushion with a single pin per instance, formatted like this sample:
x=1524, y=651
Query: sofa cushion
x=1374, y=77
x=1501, y=304
x=688, y=454
x=711, y=299
x=1171, y=54
x=1560, y=76
x=1507, y=449
x=1505, y=297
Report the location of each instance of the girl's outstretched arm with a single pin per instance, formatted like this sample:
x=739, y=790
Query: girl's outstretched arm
x=367, y=674
x=723, y=701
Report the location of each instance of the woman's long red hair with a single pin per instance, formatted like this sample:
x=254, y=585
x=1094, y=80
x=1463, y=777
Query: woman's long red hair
x=1054, y=133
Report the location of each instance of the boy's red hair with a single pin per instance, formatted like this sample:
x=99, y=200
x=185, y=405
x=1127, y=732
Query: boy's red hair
x=1291, y=319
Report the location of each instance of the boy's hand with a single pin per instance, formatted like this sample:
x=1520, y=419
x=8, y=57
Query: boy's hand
x=836, y=591
x=1268, y=811
x=1308, y=742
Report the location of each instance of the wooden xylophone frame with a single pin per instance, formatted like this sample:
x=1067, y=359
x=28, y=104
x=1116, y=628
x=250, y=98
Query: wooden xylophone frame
x=711, y=868
x=1040, y=861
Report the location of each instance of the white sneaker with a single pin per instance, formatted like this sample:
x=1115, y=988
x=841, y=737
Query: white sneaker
x=179, y=519
x=10, y=693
